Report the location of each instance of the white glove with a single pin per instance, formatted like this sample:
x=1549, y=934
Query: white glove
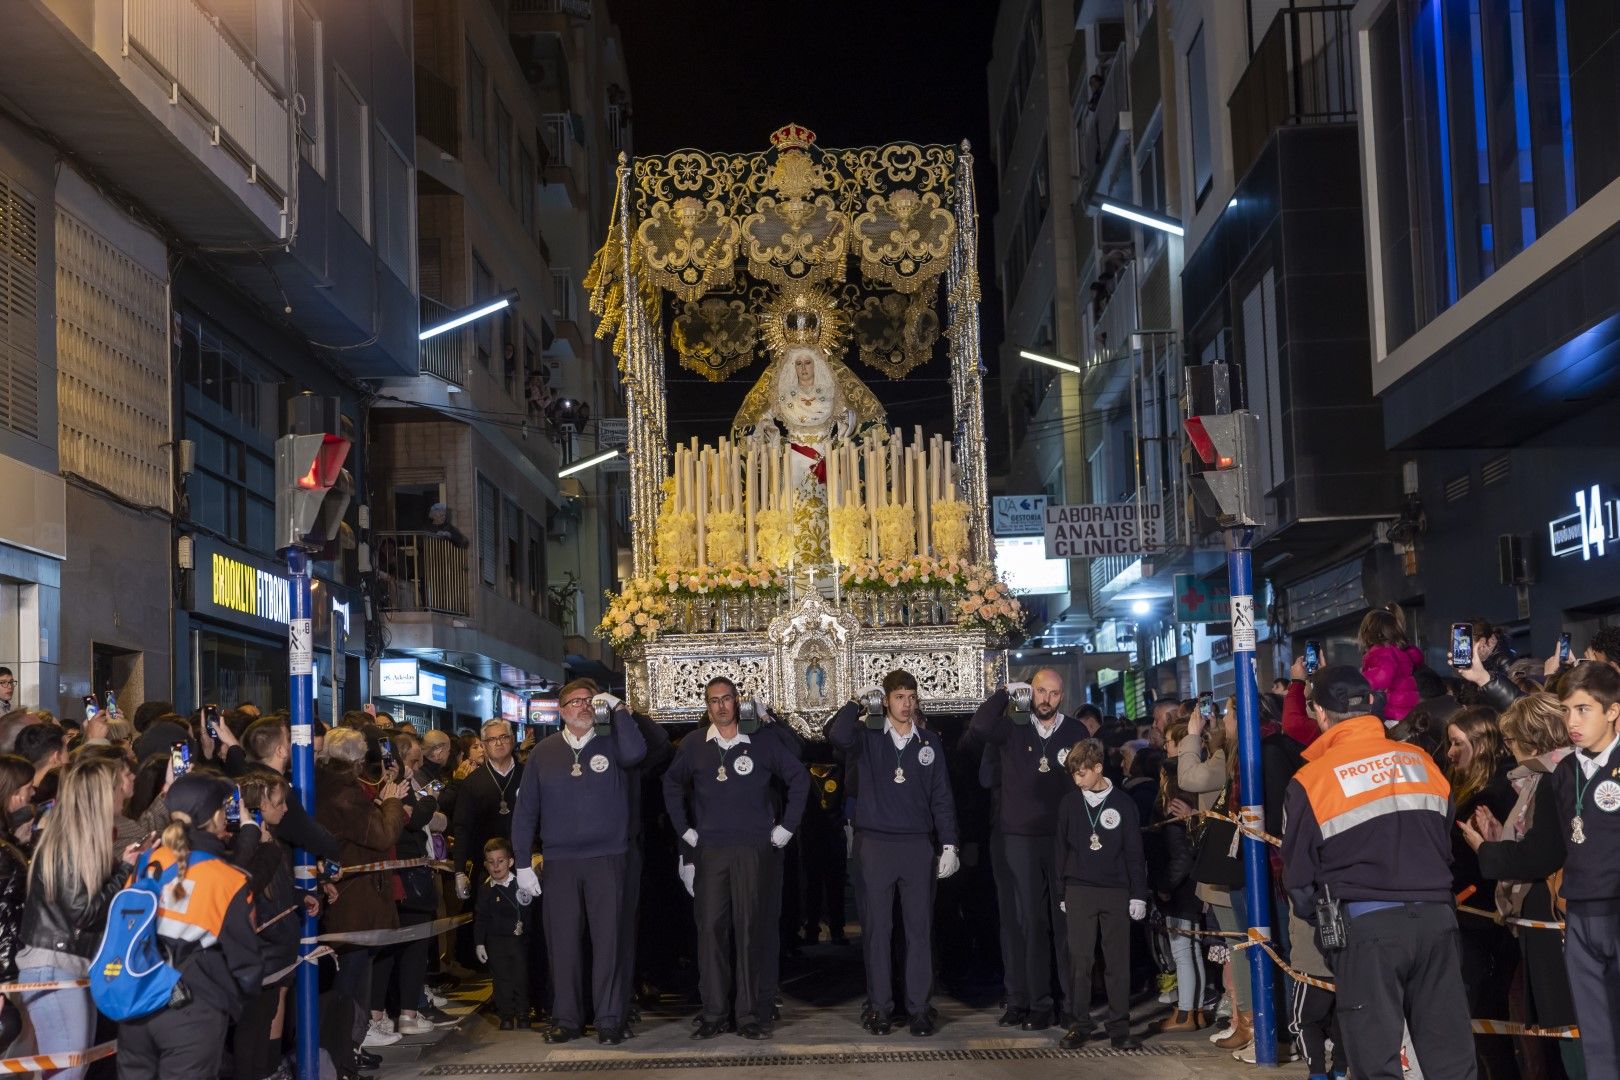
x=1014, y=687
x=948, y=862
x=483, y=954
x=607, y=699
x=849, y=841
x=1063, y=906
x=780, y=837
x=1138, y=910
x=528, y=882
x=690, y=837
x=687, y=872
x=463, y=886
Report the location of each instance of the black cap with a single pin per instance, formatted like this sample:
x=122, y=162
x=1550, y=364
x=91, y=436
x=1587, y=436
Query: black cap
x=198, y=796
x=1341, y=689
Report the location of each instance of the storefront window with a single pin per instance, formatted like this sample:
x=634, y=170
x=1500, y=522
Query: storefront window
x=233, y=670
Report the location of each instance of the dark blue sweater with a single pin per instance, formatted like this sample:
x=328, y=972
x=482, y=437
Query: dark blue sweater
x=585, y=816
x=738, y=811
x=1118, y=863
x=1029, y=797
x=922, y=806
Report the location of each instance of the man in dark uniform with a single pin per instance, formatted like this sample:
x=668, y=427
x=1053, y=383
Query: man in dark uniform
x=821, y=842
x=1031, y=757
x=1369, y=829
x=576, y=795
x=484, y=802
x=729, y=834
x=659, y=751
x=905, y=803
x=771, y=934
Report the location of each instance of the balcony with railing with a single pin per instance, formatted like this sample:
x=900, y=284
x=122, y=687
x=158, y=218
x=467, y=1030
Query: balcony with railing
x=618, y=126
x=1107, y=366
x=1302, y=72
x=562, y=158
x=1100, y=125
x=167, y=103
x=445, y=355
x=546, y=16
x=423, y=572
x=438, y=120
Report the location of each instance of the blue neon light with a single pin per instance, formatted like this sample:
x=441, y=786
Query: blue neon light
x=1566, y=126
x=1521, y=122
x=1442, y=97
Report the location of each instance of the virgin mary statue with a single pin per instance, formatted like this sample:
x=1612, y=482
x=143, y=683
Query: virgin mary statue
x=812, y=402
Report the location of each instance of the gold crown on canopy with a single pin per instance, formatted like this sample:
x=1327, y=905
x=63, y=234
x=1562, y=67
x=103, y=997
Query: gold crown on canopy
x=793, y=137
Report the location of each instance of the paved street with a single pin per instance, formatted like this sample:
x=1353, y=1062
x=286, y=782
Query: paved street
x=819, y=1036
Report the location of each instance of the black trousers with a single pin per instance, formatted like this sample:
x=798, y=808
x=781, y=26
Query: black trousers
x=904, y=867
x=1010, y=927
x=729, y=898
x=770, y=934
x=1316, y=1021
x=509, y=971
x=401, y=968
x=1400, y=967
x=253, y=1053
x=583, y=894
x=1592, y=952
x=629, y=913
x=822, y=851
x=1100, y=913
x=1032, y=863
x=174, y=1044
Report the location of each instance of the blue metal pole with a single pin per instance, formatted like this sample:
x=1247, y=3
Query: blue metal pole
x=1251, y=787
x=301, y=687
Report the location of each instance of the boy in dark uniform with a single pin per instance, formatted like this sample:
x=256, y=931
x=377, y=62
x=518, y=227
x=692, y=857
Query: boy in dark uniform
x=505, y=919
x=1104, y=876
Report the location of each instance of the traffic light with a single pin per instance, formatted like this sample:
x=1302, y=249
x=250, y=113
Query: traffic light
x=1229, y=488
x=312, y=486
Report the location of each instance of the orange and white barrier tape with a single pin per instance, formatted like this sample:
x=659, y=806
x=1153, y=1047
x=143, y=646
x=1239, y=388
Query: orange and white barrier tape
x=1258, y=834
x=313, y=955
x=394, y=864
x=1532, y=924
x=39, y=1063
x=41, y=987
x=378, y=938
x=1508, y=1027
x=1295, y=974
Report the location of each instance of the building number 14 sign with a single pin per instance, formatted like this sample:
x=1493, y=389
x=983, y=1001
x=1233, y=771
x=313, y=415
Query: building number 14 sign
x=1590, y=530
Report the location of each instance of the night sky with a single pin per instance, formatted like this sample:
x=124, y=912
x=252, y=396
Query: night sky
x=722, y=75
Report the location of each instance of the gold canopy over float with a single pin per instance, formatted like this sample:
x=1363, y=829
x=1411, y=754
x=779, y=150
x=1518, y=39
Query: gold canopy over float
x=800, y=257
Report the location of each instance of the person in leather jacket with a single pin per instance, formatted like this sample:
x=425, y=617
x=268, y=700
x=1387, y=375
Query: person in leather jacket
x=76, y=872
x=16, y=788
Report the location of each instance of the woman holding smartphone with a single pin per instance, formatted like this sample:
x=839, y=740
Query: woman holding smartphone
x=75, y=873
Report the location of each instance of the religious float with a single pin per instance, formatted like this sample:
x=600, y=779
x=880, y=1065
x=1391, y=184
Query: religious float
x=813, y=547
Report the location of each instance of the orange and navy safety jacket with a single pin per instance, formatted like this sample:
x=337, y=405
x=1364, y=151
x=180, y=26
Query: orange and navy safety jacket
x=209, y=931
x=1369, y=817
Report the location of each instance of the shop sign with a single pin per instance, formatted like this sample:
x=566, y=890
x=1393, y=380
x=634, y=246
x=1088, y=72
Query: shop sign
x=1097, y=530
x=544, y=710
x=397, y=677
x=432, y=689
x=1591, y=530
x=1017, y=515
x=1200, y=601
x=248, y=590
x=511, y=707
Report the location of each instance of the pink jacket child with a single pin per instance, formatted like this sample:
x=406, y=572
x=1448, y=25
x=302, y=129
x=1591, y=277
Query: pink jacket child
x=1388, y=668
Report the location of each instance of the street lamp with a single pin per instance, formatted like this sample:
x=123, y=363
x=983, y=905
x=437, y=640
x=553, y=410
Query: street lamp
x=1051, y=361
x=1138, y=214
x=467, y=315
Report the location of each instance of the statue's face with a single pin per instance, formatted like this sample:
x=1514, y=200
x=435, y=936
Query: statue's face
x=805, y=367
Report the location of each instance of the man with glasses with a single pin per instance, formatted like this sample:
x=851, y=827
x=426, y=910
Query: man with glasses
x=484, y=802
x=575, y=796
x=718, y=794
x=8, y=689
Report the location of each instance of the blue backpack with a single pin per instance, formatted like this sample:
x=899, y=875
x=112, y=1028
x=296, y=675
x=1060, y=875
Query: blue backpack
x=131, y=975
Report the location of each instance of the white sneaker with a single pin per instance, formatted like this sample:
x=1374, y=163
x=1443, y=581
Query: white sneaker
x=380, y=1033
x=1169, y=997
x=1224, y=1033
x=1285, y=1054
x=412, y=1024
x=438, y=1001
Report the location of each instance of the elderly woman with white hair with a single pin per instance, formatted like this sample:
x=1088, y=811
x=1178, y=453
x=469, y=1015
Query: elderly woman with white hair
x=367, y=821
